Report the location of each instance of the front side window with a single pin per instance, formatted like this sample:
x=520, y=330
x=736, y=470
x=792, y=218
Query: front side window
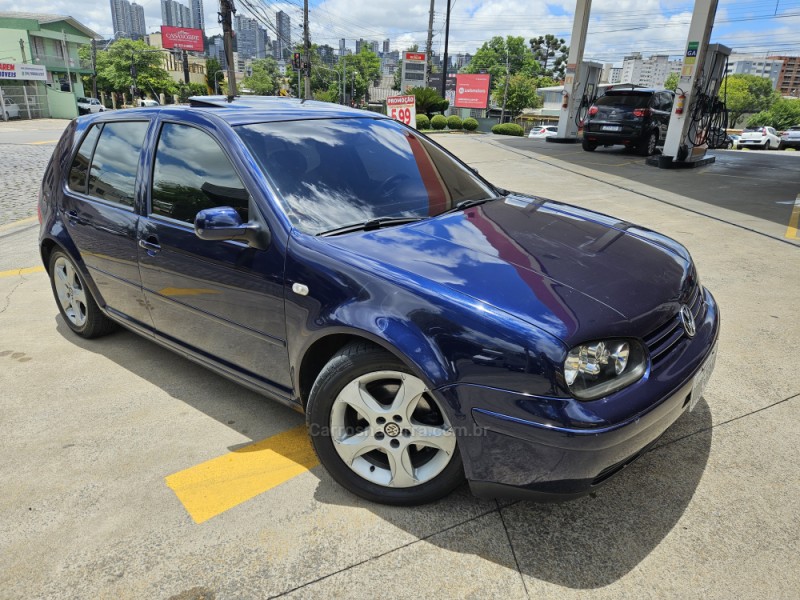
x=336, y=172
x=192, y=173
x=112, y=176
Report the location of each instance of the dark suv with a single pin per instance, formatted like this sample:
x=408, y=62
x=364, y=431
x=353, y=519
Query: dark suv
x=637, y=118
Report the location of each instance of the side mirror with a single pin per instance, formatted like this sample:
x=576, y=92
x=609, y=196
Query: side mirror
x=224, y=223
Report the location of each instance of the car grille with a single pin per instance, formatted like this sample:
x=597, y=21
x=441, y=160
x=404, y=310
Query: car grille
x=668, y=337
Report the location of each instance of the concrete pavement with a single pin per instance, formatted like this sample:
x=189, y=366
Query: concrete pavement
x=90, y=431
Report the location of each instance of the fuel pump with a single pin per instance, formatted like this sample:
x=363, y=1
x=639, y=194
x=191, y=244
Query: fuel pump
x=580, y=92
x=697, y=110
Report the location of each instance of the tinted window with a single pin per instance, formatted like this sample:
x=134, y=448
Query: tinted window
x=80, y=164
x=112, y=176
x=193, y=173
x=336, y=172
x=624, y=100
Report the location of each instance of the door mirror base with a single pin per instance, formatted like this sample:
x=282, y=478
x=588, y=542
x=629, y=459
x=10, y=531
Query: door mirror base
x=224, y=223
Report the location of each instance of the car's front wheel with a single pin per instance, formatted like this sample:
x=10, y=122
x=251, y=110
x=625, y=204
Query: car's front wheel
x=379, y=431
x=75, y=301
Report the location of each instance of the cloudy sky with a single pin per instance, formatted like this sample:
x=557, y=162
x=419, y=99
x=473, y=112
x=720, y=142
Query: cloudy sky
x=616, y=27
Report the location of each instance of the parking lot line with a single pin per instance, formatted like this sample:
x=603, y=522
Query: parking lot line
x=41, y=143
x=25, y=271
x=210, y=488
x=791, y=230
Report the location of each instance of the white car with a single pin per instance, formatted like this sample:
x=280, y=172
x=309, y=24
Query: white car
x=791, y=137
x=89, y=106
x=148, y=102
x=543, y=132
x=764, y=138
x=11, y=108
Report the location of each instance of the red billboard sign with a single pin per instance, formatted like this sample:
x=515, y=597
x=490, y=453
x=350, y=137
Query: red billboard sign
x=415, y=56
x=472, y=91
x=182, y=38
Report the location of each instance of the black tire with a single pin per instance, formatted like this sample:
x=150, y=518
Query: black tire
x=74, y=299
x=648, y=146
x=351, y=366
x=588, y=146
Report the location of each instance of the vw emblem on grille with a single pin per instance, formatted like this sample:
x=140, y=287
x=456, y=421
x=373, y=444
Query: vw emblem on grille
x=392, y=429
x=688, y=321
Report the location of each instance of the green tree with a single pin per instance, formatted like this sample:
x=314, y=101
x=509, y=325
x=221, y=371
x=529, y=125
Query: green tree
x=114, y=68
x=521, y=94
x=359, y=70
x=265, y=79
x=547, y=47
x=428, y=101
x=672, y=82
x=784, y=113
x=744, y=94
x=212, y=68
x=498, y=56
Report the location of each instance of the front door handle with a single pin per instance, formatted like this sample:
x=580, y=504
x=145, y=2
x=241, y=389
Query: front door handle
x=150, y=245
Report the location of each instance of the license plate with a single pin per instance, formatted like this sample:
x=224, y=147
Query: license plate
x=701, y=379
x=612, y=128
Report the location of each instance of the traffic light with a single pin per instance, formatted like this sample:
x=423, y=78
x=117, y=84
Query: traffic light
x=296, y=60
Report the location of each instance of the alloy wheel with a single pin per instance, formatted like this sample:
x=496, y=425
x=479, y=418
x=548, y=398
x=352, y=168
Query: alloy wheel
x=70, y=291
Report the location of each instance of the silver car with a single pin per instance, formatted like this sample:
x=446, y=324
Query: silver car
x=790, y=138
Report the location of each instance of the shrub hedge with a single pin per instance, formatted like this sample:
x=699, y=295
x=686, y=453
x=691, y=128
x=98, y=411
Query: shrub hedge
x=470, y=124
x=439, y=122
x=454, y=122
x=507, y=129
x=423, y=122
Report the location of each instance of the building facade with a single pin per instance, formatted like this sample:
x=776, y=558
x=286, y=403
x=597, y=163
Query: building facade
x=198, y=18
x=175, y=14
x=127, y=20
x=284, y=26
x=752, y=64
x=789, y=77
x=647, y=72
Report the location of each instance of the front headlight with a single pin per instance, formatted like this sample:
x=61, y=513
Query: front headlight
x=598, y=368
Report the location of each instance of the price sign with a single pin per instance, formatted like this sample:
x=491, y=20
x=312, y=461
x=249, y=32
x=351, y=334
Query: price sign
x=403, y=109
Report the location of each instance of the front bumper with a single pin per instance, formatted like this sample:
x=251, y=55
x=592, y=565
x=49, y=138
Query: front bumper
x=508, y=454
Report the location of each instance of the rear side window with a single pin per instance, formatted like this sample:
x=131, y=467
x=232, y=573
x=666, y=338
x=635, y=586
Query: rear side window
x=192, y=173
x=112, y=176
x=80, y=164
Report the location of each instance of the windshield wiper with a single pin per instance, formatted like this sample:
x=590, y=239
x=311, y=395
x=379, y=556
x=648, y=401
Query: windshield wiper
x=371, y=224
x=464, y=204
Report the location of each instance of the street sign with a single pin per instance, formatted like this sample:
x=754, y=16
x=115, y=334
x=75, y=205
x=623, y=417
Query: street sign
x=403, y=109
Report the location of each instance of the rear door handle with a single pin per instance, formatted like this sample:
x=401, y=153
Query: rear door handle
x=150, y=245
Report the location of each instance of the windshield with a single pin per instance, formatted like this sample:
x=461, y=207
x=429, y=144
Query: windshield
x=336, y=172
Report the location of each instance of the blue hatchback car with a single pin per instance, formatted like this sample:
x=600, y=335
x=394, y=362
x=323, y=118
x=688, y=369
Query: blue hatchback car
x=431, y=326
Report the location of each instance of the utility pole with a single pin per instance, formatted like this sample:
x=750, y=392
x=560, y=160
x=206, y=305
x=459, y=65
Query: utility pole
x=446, y=41
x=307, y=47
x=429, y=59
x=185, y=68
x=22, y=49
x=505, y=91
x=226, y=12
x=66, y=58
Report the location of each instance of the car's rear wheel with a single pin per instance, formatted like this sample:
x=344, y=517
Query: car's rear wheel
x=379, y=431
x=648, y=147
x=589, y=146
x=75, y=301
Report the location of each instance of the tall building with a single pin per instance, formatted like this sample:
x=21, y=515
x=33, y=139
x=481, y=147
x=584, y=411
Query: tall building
x=138, y=27
x=789, y=80
x=753, y=64
x=198, y=19
x=361, y=43
x=342, y=47
x=386, y=46
x=284, y=26
x=175, y=14
x=648, y=72
x=127, y=19
x=251, y=38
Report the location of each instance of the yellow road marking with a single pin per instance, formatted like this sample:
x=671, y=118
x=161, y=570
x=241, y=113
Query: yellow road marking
x=791, y=230
x=186, y=291
x=19, y=223
x=40, y=143
x=210, y=488
x=25, y=271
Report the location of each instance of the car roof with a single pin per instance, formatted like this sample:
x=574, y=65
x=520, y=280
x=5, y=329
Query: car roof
x=260, y=109
x=626, y=91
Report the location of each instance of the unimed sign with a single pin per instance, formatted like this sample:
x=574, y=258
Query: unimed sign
x=472, y=91
x=182, y=38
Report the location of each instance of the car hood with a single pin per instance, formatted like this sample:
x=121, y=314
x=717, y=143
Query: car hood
x=571, y=272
